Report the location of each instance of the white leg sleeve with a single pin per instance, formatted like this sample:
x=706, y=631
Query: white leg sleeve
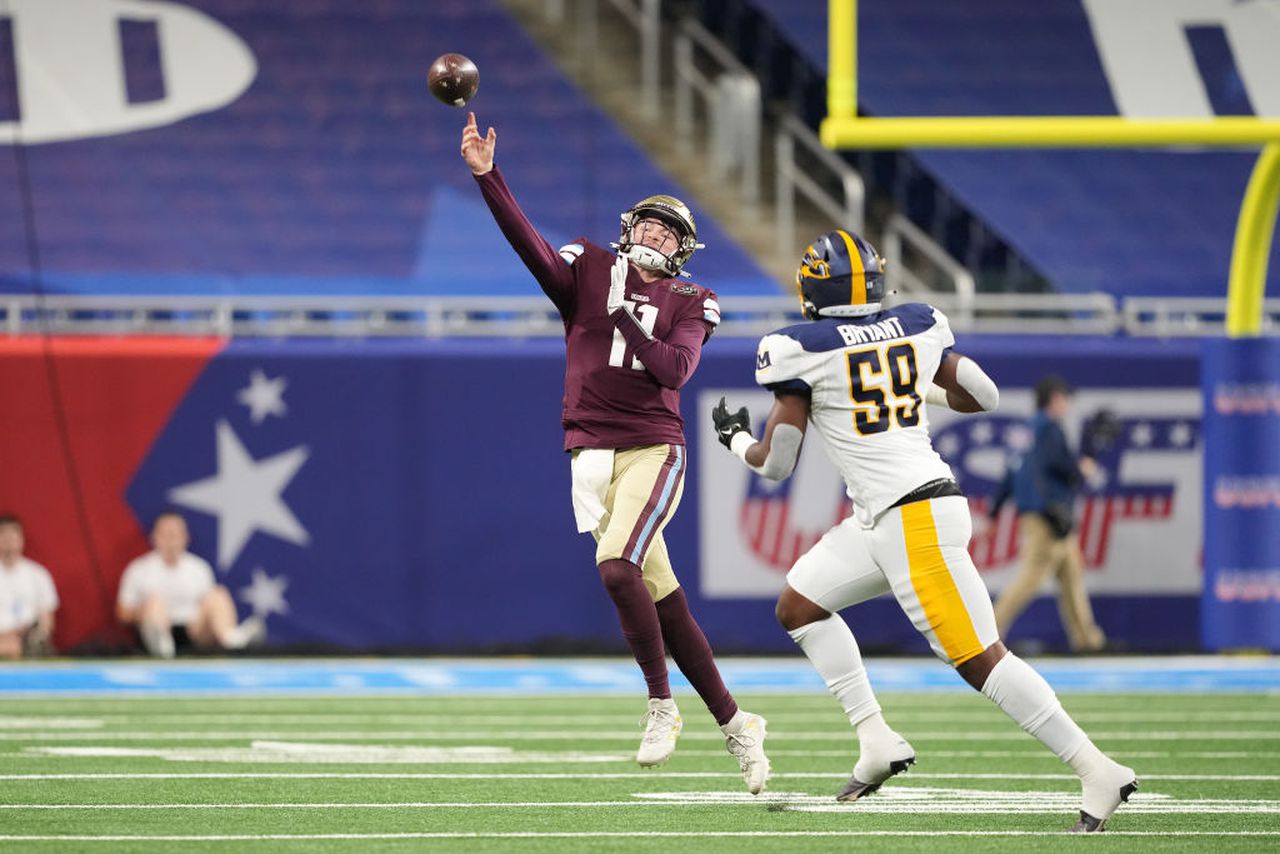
x=834, y=653
x=1023, y=695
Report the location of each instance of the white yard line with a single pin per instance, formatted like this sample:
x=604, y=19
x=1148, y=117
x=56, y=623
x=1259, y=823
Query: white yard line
x=690, y=834
x=917, y=799
x=558, y=719
x=1010, y=733
x=851, y=753
x=620, y=775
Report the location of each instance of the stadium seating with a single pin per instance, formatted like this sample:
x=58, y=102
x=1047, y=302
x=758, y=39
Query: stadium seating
x=1130, y=222
x=335, y=172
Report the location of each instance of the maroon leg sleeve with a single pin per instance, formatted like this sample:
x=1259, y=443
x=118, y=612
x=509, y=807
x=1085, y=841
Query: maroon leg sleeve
x=689, y=647
x=639, y=619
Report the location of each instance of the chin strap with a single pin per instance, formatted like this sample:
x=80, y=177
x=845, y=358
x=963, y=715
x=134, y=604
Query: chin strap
x=649, y=258
x=644, y=256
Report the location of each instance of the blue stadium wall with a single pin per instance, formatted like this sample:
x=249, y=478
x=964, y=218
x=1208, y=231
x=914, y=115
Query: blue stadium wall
x=412, y=495
x=370, y=495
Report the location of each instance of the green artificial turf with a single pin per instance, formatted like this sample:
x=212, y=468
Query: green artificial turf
x=319, y=769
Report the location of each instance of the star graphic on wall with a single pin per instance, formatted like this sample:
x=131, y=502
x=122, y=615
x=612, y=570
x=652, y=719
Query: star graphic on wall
x=1180, y=434
x=982, y=433
x=264, y=396
x=245, y=495
x=1142, y=434
x=265, y=594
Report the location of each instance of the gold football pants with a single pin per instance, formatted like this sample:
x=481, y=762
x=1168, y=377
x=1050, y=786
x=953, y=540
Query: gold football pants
x=643, y=495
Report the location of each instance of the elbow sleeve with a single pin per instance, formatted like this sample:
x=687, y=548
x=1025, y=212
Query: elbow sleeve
x=784, y=451
x=981, y=387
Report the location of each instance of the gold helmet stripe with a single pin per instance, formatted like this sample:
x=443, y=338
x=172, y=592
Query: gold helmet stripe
x=858, y=281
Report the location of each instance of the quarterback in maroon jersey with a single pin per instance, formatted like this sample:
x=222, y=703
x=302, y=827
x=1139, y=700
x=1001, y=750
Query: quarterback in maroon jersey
x=634, y=331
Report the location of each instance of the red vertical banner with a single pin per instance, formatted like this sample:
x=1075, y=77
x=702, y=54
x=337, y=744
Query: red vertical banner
x=80, y=416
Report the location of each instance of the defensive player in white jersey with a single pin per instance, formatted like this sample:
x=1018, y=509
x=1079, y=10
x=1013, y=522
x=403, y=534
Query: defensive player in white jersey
x=861, y=374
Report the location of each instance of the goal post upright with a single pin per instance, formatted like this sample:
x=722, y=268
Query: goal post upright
x=1250, y=253
x=842, y=62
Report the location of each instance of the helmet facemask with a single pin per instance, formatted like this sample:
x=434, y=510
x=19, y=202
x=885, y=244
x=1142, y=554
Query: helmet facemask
x=666, y=211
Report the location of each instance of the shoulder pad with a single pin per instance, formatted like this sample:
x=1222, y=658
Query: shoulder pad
x=711, y=310
x=571, y=252
x=779, y=357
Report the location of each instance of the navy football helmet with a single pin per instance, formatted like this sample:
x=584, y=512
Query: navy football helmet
x=673, y=213
x=840, y=275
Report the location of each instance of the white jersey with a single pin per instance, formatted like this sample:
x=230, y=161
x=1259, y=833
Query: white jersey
x=26, y=594
x=866, y=377
x=181, y=586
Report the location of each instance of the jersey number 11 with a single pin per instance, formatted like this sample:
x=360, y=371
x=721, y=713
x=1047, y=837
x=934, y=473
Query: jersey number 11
x=648, y=316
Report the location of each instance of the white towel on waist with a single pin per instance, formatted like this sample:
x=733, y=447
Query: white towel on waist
x=592, y=472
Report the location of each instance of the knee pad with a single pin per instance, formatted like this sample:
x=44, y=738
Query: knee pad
x=617, y=574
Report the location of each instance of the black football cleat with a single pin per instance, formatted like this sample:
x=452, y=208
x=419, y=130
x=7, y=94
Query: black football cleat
x=1090, y=824
x=855, y=788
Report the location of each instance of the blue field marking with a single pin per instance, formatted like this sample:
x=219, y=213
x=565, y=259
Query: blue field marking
x=604, y=676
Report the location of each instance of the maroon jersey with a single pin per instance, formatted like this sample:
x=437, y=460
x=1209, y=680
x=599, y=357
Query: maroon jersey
x=623, y=372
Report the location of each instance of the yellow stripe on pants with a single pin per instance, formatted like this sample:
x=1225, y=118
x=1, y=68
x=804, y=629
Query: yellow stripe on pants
x=943, y=606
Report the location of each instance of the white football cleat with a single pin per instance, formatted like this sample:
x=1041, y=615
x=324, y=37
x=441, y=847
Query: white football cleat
x=744, y=738
x=1105, y=788
x=877, y=762
x=662, y=725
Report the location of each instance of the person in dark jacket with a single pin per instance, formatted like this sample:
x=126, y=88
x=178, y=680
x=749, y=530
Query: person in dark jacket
x=1045, y=482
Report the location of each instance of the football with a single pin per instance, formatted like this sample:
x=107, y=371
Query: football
x=453, y=79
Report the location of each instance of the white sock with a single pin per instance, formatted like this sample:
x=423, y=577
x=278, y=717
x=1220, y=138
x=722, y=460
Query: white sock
x=158, y=640
x=873, y=728
x=234, y=638
x=1024, y=696
x=734, y=724
x=1087, y=759
x=832, y=650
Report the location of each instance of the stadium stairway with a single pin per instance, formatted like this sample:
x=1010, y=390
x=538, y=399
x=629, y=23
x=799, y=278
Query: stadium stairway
x=610, y=73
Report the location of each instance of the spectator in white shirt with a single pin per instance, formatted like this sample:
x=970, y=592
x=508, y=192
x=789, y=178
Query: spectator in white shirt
x=28, y=598
x=171, y=598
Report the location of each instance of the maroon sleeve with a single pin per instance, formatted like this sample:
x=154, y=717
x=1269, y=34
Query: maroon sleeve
x=552, y=272
x=670, y=362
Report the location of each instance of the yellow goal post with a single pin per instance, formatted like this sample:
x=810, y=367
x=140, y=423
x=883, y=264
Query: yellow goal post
x=843, y=129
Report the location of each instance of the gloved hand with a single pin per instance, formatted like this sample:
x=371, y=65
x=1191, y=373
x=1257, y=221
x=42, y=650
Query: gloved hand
x=729, y=425
x=617, y=285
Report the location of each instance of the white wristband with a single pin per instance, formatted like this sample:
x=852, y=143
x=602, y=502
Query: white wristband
x=741, y=441
x=937, y=395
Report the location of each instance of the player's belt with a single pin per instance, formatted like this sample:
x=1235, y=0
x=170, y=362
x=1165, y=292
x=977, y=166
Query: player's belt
x=940, y=488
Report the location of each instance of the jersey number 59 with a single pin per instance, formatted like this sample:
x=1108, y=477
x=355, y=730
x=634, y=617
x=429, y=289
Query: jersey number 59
x=881, y=403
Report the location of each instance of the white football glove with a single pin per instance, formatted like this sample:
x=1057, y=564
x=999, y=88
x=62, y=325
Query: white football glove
x=617, y=285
